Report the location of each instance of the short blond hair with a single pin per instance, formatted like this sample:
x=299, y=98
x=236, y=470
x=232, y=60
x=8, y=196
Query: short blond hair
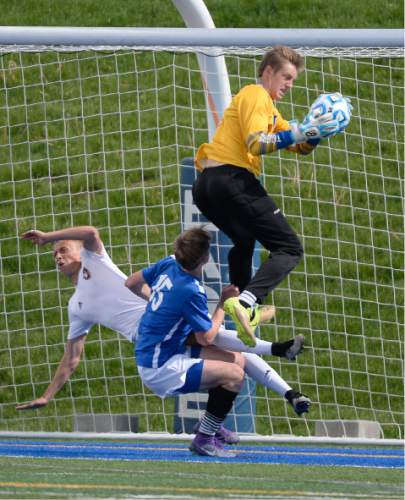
x=278, y=56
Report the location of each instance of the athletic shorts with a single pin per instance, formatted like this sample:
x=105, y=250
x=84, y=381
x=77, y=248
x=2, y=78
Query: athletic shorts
x=180, y=374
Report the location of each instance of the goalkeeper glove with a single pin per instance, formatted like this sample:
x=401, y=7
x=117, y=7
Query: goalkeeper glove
x=335, y=105
x=315, y=128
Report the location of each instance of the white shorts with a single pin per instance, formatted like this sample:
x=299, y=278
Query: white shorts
x=170, y=378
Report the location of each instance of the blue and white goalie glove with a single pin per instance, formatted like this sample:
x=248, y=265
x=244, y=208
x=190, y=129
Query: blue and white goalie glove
x=329, y=115
x=334, y=106
x=316, y=128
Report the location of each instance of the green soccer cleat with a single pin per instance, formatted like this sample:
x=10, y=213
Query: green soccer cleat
x=246, y=320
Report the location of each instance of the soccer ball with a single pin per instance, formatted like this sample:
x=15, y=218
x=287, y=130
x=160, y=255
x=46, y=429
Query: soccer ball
x=336, y=105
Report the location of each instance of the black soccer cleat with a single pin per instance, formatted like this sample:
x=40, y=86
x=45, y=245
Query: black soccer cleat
x=288, y=349
x=300, y=402
x=296, y=348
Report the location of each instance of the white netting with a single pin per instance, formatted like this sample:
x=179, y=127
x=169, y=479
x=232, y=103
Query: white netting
x=215, y=51
x=98, y=136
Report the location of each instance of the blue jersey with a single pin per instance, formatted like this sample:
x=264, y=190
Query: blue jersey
x=177, y=307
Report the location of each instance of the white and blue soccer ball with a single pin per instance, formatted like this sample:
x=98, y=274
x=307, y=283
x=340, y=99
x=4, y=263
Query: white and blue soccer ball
x=336, y=105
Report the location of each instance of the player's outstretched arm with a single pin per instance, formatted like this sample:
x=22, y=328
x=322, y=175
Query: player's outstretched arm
x=137, y=284
x=207, y=338
x=67, y=366
x=88, y=234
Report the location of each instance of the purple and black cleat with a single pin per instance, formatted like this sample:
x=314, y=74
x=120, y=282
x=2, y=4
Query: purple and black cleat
x=209, y=446
x=223, y=434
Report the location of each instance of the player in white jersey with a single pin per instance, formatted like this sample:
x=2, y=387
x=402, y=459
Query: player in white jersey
x=102, y=298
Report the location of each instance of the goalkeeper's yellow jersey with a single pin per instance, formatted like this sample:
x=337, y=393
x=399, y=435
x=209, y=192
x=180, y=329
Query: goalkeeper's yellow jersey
x=251, y=110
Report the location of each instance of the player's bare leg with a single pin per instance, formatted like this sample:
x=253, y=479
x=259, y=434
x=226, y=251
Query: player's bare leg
x=225, y=369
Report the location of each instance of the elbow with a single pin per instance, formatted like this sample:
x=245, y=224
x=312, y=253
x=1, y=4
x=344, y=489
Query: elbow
x=90, y=234
x=209, y=338
x=253, y=145
x=254, y=149
x=129, y=283
x=204, y=339
x=135, y=288
x=93, y=232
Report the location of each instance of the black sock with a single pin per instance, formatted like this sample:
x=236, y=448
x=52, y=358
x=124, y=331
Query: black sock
x=280, y=348
x=290, y=395
x=220, y=401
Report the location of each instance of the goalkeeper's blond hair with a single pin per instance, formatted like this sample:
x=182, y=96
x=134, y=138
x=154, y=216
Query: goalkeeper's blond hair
x=278, y=56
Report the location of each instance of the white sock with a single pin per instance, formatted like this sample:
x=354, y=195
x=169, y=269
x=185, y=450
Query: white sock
x=248, y=297
x=228, y=340
x=264, y=374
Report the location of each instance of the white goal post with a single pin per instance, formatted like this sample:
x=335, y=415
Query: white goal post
x=94, y=126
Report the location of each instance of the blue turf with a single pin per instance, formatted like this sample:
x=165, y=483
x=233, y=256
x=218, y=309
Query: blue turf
x=156, y=451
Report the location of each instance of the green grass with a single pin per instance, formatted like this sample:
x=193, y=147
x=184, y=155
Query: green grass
x=87, y=152
x=249, y=14
x=40, y=478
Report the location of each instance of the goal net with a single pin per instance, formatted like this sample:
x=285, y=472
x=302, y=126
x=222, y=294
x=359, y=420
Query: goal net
x=98, y=136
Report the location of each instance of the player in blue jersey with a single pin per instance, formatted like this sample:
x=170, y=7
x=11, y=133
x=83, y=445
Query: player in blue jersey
x=177, y=307
x=80, y=255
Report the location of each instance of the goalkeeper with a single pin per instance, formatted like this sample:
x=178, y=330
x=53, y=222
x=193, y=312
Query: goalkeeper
x=101, y=297
x=229, y=193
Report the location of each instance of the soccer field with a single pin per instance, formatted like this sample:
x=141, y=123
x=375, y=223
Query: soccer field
x=157, y=470
x=85, y=150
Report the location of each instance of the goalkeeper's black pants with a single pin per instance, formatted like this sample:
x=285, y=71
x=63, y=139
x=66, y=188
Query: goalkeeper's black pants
x=236, y=202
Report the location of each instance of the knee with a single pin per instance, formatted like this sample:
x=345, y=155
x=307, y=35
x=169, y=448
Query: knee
x=238, y=376
x=292, y=257
x=292, y=249
x=233, y=377
x=239, y=360
x=297, y=252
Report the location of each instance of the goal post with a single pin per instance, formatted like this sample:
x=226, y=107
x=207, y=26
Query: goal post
x=94, y=126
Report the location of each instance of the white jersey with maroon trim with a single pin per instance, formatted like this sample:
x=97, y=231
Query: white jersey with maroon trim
x=101, y=297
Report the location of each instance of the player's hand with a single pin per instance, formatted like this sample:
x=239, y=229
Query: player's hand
x=323, y=126
x=228, y=292
x=319, y=128
x=335, y=105
x=37, y=237
x=33, y=405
